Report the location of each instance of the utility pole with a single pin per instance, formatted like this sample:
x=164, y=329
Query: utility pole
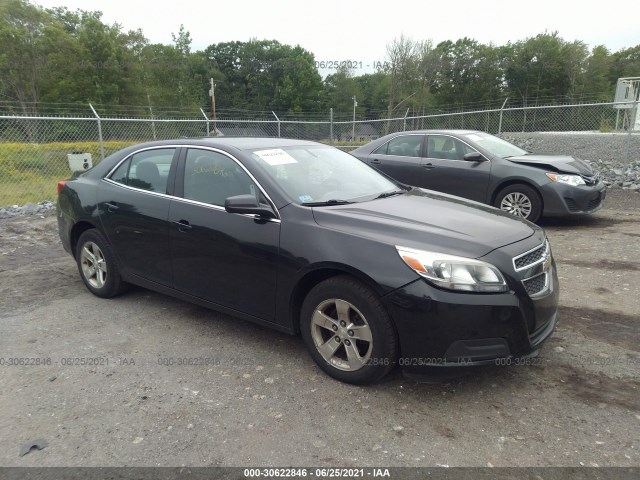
x=353, y=131
x=212, y=93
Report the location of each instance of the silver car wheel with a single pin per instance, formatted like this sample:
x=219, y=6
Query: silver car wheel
x=516, y=203
x=341, y=335
x=94, y=267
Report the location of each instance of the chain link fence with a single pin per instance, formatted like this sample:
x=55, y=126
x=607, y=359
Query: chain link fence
x=34, y=150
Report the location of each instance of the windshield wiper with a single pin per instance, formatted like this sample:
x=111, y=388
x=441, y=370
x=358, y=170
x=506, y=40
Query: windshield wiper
x=391, y=194
x=326, y=202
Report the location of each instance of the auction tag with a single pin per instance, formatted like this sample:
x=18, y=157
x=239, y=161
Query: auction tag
x=276, y=156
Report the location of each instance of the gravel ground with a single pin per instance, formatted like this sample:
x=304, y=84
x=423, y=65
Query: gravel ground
x=261, y=401
x=615, y=156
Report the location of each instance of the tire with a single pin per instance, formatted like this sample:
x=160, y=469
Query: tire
x=367, y=348
x=97, y=266
x=520, y=200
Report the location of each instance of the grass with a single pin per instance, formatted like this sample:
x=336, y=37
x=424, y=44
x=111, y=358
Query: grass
x=30, y=172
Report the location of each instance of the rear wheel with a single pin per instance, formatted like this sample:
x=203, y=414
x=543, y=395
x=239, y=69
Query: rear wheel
x=520, y=200
x=348, y=332
x=97, y=265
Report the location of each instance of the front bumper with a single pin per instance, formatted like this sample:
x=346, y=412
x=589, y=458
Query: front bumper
x=446, y=331
x=560, y=199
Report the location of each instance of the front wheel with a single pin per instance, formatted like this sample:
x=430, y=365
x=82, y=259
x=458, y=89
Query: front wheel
x=520, y=200
x=97, y=265
x=348, y=332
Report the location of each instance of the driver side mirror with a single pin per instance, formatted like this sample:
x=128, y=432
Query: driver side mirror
x=248, y=205
x=474, y=157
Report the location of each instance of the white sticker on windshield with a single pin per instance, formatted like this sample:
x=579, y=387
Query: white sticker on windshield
x=474, y=138
x=276, y=156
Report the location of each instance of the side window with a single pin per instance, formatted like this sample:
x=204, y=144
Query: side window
x=447, y=148
x=211, y=177
x=405, y=146
x=122, y=172
x=381, y=150
x=148, y=170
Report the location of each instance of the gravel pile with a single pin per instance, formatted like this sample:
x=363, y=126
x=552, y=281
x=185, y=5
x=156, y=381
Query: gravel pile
x=605, y=152
x=27, y=209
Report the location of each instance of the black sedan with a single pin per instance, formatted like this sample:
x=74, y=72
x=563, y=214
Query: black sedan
x=487, y=169
x=307, y=239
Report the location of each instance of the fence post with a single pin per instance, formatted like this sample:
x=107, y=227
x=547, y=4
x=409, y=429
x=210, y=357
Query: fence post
x=206, y=121
x=153, y=124
x=274, y=114
x=633, y=115
x=404, y=120
x=99, y=132
x=331, y=126
x=501, y=110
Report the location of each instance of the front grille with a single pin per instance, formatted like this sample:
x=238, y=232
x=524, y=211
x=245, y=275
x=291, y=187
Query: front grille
x=535, y=284
x=532, y=257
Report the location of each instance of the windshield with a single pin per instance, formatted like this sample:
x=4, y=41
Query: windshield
x=311, y=174
x=495, y=145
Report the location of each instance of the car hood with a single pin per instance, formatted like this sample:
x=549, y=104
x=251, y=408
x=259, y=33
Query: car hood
x=428, y=220
x=558, y=163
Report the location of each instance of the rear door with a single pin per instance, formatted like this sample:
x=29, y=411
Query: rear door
x=133, y=203
x=400, y=158
x=445, y=170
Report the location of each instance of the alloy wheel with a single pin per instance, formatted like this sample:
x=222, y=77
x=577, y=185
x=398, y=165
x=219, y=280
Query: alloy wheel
x=516, y=203
x=341, y=335
x=94, y=266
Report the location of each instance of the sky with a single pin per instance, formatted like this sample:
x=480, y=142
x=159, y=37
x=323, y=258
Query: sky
x=356, y=30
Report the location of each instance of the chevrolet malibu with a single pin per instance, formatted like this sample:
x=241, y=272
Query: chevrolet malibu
x=308, y=240
x=487, y=169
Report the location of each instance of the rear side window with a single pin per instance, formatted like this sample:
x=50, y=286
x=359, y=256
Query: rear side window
x=148, y=170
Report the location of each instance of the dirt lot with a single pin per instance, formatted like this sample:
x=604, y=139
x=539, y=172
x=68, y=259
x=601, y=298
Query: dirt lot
x=259, y=400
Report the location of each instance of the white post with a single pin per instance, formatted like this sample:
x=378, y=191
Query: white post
x=353, y=131
x=206, y=120
x=501, y=109
x=274, y=114
x=99, y=131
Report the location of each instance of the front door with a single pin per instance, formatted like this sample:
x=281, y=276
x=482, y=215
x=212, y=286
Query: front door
x=225, y=258
x=445, y=170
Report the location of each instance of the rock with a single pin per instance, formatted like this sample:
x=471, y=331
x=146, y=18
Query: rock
x=30, y=208
x=399, y=429
x=558, y=349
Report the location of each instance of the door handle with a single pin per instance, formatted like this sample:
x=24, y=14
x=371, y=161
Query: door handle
x=376, y=161
x=428, y=166
x=183, y=225
x=111, y=207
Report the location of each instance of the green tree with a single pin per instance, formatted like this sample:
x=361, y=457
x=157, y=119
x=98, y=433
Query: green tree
x=23, y=58
x=536, y=69
x=340, y=88
x=597, y=82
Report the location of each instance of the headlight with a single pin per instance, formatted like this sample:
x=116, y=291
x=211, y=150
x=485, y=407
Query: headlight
x=454, y=273
x=574, y=180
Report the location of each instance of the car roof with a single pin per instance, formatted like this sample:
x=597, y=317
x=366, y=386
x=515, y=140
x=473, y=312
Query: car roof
x=451, y=131
x=240, y=143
